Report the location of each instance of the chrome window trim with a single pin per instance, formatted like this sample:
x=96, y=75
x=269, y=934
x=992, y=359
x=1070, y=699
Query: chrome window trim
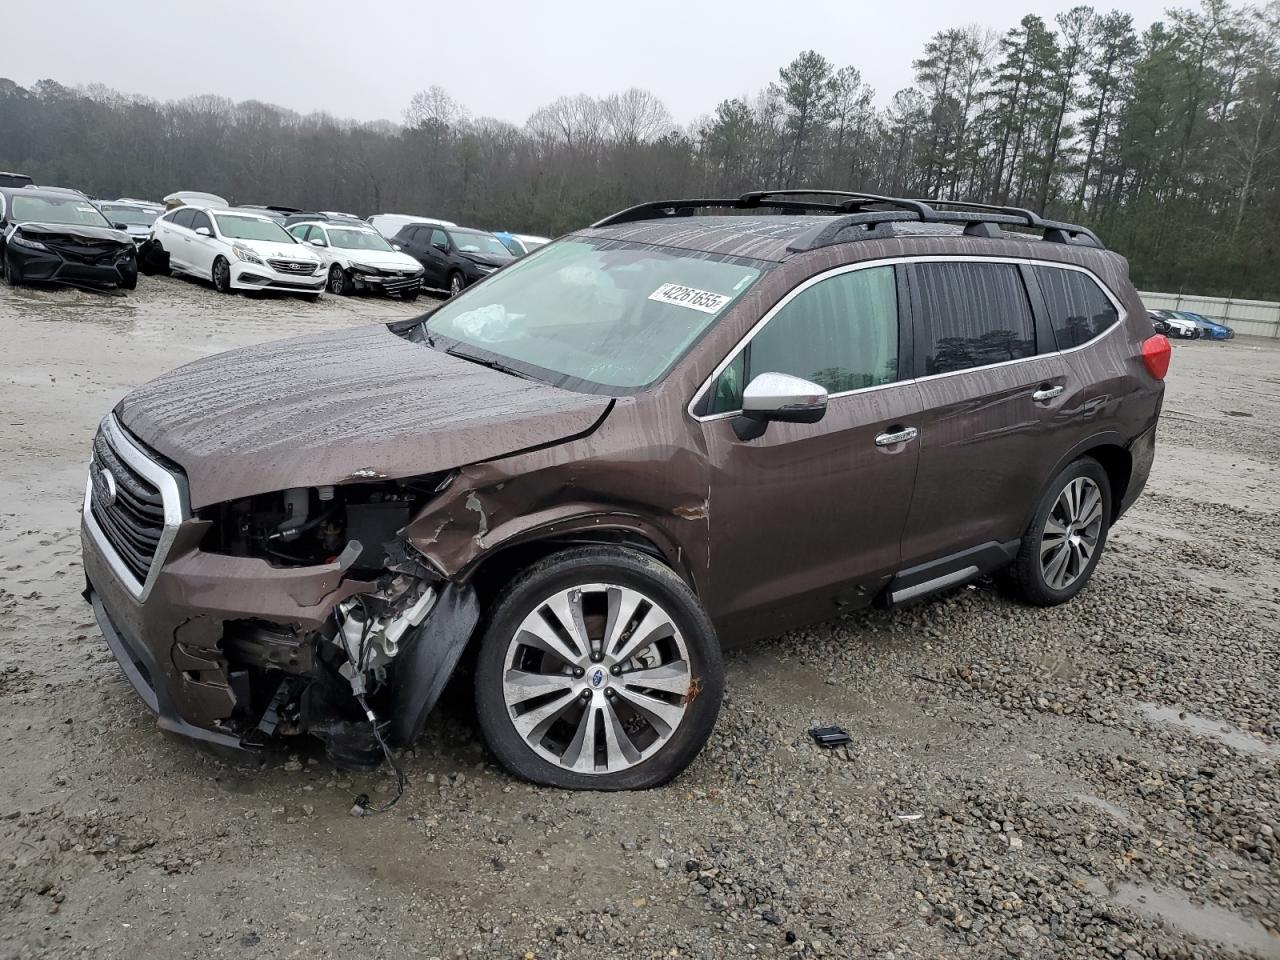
x=1122, y=315
x=171, y=494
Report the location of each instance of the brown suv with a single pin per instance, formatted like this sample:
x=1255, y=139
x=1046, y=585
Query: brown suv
x=675, y=430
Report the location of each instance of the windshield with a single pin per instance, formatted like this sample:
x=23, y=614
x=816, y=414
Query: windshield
x=133, y=216
x=357, y=240
x=532, y=245
x=251, y=228
x=473, y=241
x=49, y=210
x=601, y=315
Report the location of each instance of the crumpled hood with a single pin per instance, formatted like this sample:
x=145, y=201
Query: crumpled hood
x=347, y=406
x=71, y=231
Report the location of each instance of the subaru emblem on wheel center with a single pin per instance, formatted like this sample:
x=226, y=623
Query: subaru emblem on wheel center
x=597, y=678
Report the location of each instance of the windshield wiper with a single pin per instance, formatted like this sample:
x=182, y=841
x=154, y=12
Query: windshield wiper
x=485, y=362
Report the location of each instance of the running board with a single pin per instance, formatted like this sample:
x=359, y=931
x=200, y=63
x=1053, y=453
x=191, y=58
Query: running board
x=946, y=572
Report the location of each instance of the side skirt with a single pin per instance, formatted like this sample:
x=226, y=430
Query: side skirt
x=952, y=570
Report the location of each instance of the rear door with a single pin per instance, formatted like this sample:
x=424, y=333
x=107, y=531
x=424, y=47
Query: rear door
x=993, y=387
x=809, y=517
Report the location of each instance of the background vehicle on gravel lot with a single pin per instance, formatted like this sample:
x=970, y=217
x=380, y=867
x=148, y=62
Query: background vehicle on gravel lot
x=237, y=250
x=14, y=179
x=182, y=197
x=278, y=214
x=613, y=457
x=134, y=216
x=1209, y=329
x=358, y=258
x=1175, y=325
x=520, y=244
x=453, y=257
x=389, y=224
x=58, y=238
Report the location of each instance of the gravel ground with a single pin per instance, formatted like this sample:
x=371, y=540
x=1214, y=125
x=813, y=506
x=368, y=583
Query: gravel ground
x=1098, y=780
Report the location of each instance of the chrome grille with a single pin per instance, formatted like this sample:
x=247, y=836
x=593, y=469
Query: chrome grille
x=129, y=509
x=299, y=268
x=133, y=506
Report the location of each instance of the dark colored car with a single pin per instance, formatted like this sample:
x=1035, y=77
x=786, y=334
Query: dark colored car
x=453, y=257
x=671, y=432
x=59, y=238
x=14, y=179
x=301, y=217
x=1174, y=324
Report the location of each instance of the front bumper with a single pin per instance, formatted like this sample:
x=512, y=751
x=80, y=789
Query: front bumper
x=54, y=266
x=254, y=276
x=395, y=285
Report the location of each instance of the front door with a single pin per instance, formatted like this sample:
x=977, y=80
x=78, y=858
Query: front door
x=994, y=390
x=807, y=519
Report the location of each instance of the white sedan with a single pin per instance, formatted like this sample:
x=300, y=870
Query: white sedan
x=237, y=250
x=358, y=258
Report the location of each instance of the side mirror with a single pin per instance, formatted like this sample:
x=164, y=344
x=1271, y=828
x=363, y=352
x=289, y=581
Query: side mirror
x=780, y=397
x=203, y=232
x=317, y=242
x=397, y=246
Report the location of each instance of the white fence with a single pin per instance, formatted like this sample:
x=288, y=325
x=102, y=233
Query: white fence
x=1249, y=318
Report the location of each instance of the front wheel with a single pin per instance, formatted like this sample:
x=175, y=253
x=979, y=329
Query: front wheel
x=339, y=282
x=11, y=274
x=1064, y=541
x=598, y=670
x=222, y=275
x=456, y=284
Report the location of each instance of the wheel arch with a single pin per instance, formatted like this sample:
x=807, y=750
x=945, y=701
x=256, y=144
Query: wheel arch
x=1111, y=450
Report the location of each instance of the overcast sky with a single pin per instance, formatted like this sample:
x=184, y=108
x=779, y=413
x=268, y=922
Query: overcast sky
x=365, y=59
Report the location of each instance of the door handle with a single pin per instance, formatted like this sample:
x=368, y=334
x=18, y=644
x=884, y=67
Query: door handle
x=1047, y=393
x=897, y=435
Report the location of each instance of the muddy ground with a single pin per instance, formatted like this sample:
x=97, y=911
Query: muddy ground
x=1100, y=780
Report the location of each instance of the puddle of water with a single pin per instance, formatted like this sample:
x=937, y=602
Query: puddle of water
x=1216, y=729
x=1205, y=921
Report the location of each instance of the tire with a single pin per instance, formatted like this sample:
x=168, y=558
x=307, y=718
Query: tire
x=130, y=281
x=684, y=655
x=221, y=274
x=11, y=274
x=409, y=296
x=1035, y=575
x=339, y=283
x=457, y=283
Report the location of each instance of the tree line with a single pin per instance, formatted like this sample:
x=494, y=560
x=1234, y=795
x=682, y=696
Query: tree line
x=1165, y=141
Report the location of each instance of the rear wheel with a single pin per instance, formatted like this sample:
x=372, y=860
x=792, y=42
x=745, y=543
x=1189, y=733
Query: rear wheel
x=1065, y=539
x=456, y=284
x=222, y=275
x=339, y=282
x=598, y=670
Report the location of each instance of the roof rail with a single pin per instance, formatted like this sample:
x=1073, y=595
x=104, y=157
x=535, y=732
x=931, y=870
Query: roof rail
x=866, y=210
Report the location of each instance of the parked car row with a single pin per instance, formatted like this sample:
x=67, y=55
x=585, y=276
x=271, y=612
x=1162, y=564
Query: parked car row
x=243, y=247
x=1189, y=326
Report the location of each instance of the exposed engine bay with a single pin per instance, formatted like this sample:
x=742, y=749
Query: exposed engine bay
x=335, y=681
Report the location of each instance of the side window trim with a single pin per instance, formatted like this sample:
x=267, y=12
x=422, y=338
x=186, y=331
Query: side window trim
x=1046, y=339
x=702, y=396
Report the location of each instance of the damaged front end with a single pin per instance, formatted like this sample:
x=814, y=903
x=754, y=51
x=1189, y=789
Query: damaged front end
x=288, y=613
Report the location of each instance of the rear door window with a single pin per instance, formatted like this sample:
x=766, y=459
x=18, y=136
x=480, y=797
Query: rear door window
x=971, y=315
x=1079, y=310
x=841, y=333
x=183, y=218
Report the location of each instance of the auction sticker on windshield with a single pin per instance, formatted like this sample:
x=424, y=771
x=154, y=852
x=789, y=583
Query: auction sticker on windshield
x=679, y=295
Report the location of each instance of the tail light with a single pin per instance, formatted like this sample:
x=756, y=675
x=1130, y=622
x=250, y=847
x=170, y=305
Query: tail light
x=1156, y=353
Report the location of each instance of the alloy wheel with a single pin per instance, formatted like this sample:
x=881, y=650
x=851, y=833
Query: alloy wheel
x=336, y=280
x=221, y=276
x=455, y=284
x=596, y=678
x=1071, y=533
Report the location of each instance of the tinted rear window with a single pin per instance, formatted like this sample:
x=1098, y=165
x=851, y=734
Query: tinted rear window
x=1078, y=308
x=973, y=314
